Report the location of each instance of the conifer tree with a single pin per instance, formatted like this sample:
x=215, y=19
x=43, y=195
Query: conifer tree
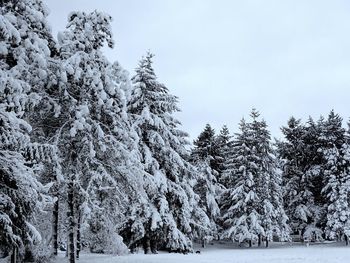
x=204, y=157
x=252, y=203
x=223, y=149
x=172, y=216
x=240, y=216
x=24, y=50
x=273, y=217
x=296, y=153
x=92, y=131
x=336, y=173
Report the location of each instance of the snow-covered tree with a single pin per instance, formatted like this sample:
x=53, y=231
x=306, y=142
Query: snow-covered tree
x=273, y=217
x=297, y=195
x=92, y=130
x=172, y=216
x=239, y=200
x=204, y=157
x=337, y=178
x=223, y=142
x=24, y=48
x=314, y=175
x=252, y=202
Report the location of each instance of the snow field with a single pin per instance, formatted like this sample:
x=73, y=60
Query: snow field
x=226, y=253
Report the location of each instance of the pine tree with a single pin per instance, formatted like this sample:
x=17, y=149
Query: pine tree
x=296, y=195
x=205, y=144
x=92, y=130
x=23, y=54
x=314, y=174
x=297, y=154
x=171, y=217
x=337, y=177
x=204, y=157
x=273, y=217
x=252, y=203
x=238, y=202
x=223, y=150
x=304, y=173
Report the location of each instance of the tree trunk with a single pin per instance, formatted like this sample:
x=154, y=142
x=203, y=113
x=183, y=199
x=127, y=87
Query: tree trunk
x=146, y=245
x=14, y=255
x=259, y=240
x=71, y=220
x=55, y=226
x=154, y=246
x=346, y=240
x=267, y=242
x=78, y=236
x=250, y=243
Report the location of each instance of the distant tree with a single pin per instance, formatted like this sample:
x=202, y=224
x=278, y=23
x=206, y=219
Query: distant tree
x=204, y=156
x=337, y=178
x=205, y=144
x=301, y=177
x=239, y=200
x=223, y=149
x=252, y=203
x=296, y=193
x=268, y=181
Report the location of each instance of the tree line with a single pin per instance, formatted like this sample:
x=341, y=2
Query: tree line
x=256, y=189
x=93, y=157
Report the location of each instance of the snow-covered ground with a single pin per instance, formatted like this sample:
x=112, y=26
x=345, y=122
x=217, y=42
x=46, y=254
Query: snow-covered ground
x=222, y=253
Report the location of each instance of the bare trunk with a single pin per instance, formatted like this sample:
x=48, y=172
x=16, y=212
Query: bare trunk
x=55, y=226
x=154, y=248
x=14, y=255
x=259, y=240
x=267, y=242
x=146, y=245
x=71, y=221
x=346, y=240
x=78, y=236
x=250, y=243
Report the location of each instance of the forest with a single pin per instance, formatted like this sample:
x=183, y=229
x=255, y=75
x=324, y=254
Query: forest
x=93, y=157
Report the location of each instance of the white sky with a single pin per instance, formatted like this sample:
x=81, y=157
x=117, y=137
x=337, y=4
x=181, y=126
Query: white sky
x=223, y=57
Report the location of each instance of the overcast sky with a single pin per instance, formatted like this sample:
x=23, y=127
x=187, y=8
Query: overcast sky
x=221, y=58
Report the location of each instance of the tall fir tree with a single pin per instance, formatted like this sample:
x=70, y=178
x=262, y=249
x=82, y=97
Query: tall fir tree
x=204, y=157
x=238, y=202
x=223, y=149
x=92, y=132
x=252, y=203
x=296, y=193
x=337, y=178
x=172, y=217
x=268, y=181
x=24, y=48
x=301, y=177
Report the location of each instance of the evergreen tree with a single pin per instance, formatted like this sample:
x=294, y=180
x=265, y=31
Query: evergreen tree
x=172, y=216
x=300, y=156
x=24, y=49
x=337, y=178
x=296, y=194
x=205, y=144
x=238, y=201
x=252, y=202
x=223, y=150
x=203, y=156
x=92, y=131
x=314, y=174
x=268, y=181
